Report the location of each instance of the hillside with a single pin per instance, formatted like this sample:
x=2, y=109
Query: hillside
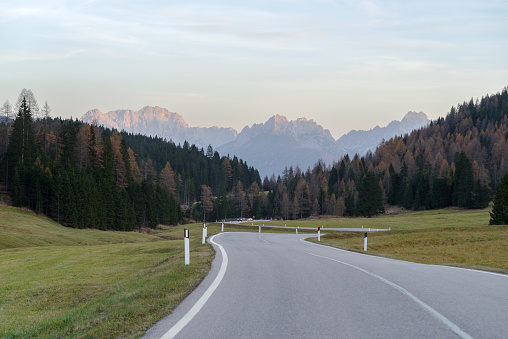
x=457, y=161
x=361, y=142
x=60, y=282
x=270, y=147
x=24, y=228
x=86, y=176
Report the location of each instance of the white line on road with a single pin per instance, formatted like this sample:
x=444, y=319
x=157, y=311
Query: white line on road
x=432, y=311
x=204, y=298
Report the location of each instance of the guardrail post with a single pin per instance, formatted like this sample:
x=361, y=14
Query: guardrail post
x=186, y=241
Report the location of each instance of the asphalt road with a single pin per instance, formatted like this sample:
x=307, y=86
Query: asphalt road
x=280, y=286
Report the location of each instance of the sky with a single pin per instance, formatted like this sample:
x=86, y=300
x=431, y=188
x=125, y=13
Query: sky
x=345, y=64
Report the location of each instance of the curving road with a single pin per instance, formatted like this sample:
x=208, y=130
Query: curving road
x=280, y=286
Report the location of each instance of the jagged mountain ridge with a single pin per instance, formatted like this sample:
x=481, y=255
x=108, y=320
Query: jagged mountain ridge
x=269, y=146
x=360, y=142
x=158, y=121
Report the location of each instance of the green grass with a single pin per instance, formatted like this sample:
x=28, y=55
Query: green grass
x=404, y=221
x=444, y=237
x=59, y=282
x=23, y=228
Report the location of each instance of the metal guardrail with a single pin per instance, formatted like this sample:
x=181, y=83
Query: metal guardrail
x=242, y=223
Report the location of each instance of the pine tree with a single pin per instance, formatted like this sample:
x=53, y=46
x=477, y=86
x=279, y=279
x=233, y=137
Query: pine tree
x=499, y=213
x=463, y=181
x=370, y=196
x=17, y=194
x=21, y=148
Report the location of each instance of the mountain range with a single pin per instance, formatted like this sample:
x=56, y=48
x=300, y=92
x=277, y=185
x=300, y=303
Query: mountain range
x=269, y=147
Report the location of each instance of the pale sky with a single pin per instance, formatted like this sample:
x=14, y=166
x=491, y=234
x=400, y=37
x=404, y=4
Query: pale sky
x=344, y=64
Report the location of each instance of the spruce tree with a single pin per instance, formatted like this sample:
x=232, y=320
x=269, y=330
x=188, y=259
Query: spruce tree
x=370, y=196
x=17, y=194
x=21, y=147
x=499, y=213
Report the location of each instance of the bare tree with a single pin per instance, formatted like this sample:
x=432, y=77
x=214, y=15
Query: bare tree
x=7, y=110
x=206, y=200
x=241, y=198
x=31, y=102
x=46, y=112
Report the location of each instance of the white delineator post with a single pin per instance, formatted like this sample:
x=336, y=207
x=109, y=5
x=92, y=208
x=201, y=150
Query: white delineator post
x=365, y=242
x=204, y=233
x=319, y=234
x=259, y=228
x=186, y=239
x=222, y=227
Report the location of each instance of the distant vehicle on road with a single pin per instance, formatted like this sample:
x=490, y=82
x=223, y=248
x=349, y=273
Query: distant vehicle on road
x=250, y=219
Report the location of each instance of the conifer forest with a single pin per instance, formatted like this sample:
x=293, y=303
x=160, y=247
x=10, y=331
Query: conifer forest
x=87, y=176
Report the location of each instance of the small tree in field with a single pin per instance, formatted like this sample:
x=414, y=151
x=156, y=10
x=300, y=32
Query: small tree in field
x=206, y=200
x=499, y=214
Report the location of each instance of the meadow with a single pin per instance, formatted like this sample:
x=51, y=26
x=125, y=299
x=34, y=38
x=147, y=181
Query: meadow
x=63, y=282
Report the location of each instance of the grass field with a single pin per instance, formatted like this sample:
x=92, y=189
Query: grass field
x=444, y=237
x=59, y=282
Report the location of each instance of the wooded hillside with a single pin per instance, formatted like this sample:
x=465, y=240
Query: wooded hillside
x=456, y=161
x=83, y=175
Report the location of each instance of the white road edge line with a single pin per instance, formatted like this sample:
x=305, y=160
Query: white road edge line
x=204, y=298
x=432, y=311
x=502, y=275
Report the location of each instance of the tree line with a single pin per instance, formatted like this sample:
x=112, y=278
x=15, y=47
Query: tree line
x=88, y=176
x=84, y=175
x=458, y=161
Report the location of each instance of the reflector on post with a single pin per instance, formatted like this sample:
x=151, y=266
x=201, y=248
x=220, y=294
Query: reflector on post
x=186, y=245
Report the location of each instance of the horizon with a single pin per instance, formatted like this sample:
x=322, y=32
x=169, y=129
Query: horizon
x=233, y=64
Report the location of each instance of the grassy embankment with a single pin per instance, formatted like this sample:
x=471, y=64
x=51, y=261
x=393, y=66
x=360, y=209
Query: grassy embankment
x=444, y=237
x=61, y=282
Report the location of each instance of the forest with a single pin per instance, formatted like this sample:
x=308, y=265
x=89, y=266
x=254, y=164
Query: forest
x=88, y=176
x=458, y=161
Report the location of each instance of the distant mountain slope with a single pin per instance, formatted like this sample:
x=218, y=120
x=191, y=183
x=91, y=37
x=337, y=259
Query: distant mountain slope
x=158, y=121
x=269, y=147
x=279, y=143
x=360, y=142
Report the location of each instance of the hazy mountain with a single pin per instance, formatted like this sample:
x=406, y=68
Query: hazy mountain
x=279, y=143
x=268, y=147
x=158, y=121
x=362, y=141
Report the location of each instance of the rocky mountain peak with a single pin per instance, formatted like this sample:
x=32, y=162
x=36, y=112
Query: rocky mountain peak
x=411, y=115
